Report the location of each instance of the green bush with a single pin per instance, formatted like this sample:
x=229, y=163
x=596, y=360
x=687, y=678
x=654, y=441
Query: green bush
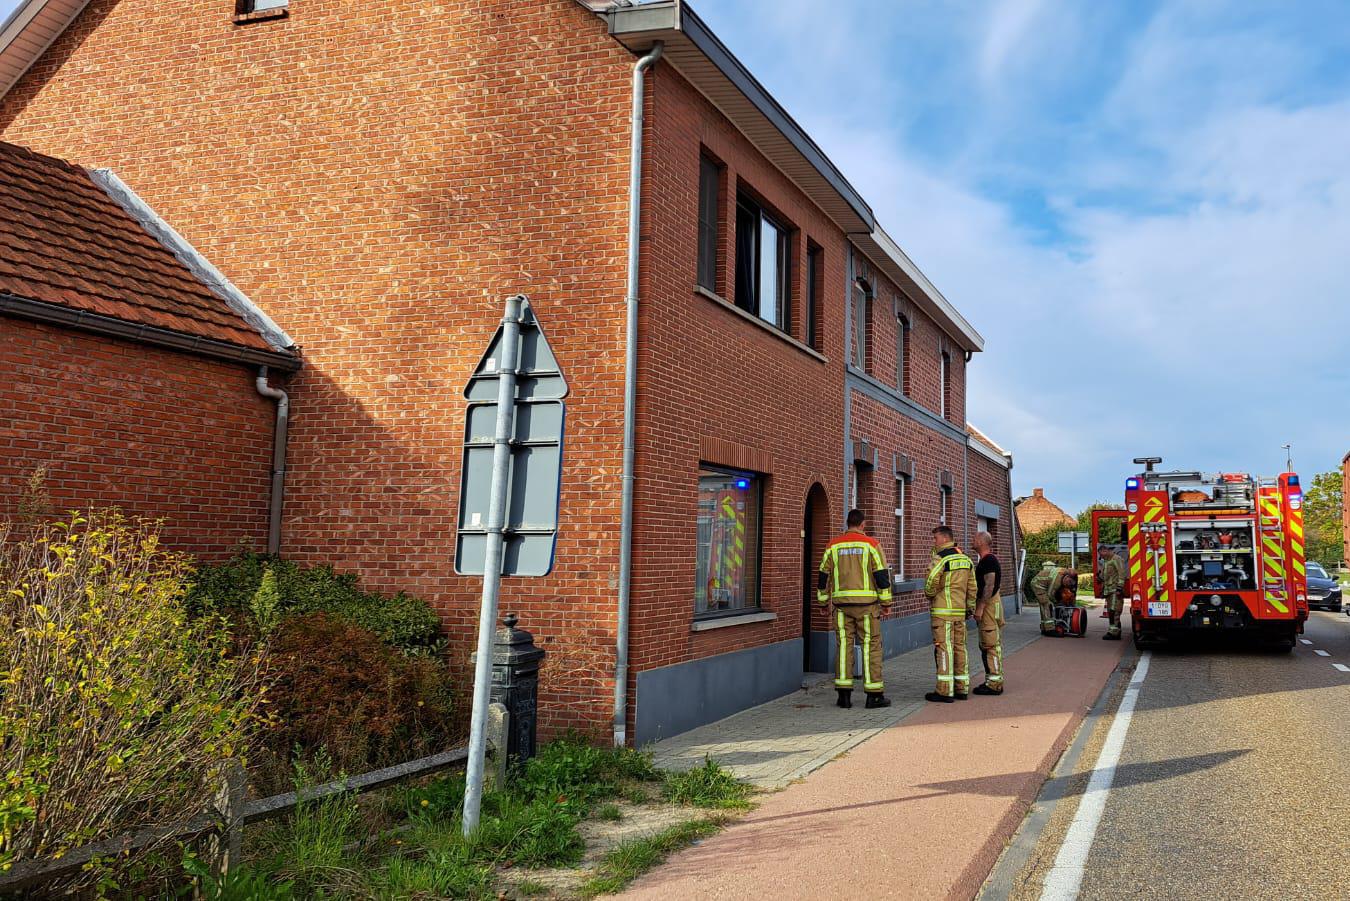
x=117, y=708
x=400, y=619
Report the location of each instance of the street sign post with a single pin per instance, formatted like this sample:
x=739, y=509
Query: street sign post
x=509, y=483
x=1071, y=543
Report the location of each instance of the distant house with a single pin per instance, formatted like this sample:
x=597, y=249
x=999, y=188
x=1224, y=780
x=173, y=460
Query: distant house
x=1039, y=512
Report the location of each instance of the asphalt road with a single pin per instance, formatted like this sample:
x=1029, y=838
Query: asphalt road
x=1231, y=782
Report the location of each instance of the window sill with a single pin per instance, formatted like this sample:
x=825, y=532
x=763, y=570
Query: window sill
x=726, y=622
x=750, y=317
x=262, y=15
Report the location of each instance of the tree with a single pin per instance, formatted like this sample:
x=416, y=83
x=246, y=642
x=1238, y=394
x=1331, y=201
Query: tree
x=1322, y=508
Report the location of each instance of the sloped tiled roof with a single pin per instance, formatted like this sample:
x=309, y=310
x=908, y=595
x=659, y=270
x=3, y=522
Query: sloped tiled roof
x=65, y=241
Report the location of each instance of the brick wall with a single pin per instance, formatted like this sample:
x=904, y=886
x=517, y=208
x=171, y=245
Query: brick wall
x=721, y=388
x=157, y=433
x=989, y=482
x=378, y=177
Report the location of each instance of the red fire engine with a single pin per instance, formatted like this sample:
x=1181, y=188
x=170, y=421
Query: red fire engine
x=1211, y=553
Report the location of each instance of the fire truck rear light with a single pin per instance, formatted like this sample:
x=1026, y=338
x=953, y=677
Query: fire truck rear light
x=1303, y=599
x=1215, y=600
x=1193, y=608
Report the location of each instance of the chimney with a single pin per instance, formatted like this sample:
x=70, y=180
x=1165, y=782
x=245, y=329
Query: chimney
x=1038, y=492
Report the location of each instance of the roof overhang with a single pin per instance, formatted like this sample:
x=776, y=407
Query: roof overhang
x=28, y=32
x=707, y=64
x=882, y=250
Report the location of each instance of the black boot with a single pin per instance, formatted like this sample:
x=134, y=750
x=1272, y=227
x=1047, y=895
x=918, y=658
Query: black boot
x=1109, y=636
x=877, y=699
x=938, y=698
x=962, y=695
x=986, y=690
x=845, y=698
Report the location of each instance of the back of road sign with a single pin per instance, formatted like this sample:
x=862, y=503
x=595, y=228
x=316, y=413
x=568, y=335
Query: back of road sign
x=536, y=457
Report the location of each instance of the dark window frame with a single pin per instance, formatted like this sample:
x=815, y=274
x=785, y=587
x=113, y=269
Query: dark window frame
x=944, y=403
x=815, y=285
x=902, y=329
x=753, y=590
x=862, y=319
x=749, y=243
x=710, y=176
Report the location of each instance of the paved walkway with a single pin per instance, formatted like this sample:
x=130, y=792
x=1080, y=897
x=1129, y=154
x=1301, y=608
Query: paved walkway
x=774, y=744
x=920, y=811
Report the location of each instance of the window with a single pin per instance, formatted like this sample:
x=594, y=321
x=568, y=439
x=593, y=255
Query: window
x=709, y=186
x=946, y=383
x=862, y=309
x=761, y=264
x=899, y=564
x=902, y=353
x=944, y=505
x=257, y=6
x=728, y=541
x=815, y=275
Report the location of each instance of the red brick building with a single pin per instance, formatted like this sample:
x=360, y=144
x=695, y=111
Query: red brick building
x=378, y=178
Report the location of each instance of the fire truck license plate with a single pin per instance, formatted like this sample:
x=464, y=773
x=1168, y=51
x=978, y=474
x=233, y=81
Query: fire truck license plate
x=1160, y=608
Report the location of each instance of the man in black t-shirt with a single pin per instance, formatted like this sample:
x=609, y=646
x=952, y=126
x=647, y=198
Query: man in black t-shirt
x=989, y=614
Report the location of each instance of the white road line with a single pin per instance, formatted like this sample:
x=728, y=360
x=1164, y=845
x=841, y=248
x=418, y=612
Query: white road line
x=1342, y=667
x=1305, y=641
x=1066, y=875
x=1321, y=653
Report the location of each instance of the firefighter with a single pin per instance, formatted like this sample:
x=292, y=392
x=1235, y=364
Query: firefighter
x=855, y=565
x=951, y=592
x=1113, y=587
x=989, y=613
x=1053, y=585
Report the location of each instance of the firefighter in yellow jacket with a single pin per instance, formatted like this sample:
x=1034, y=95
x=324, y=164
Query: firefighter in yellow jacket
x=951, y=590
x=1113, y=588
x=1052, y=586
x=854, y=576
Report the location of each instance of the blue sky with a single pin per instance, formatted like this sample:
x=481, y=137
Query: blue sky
x=1144, y=207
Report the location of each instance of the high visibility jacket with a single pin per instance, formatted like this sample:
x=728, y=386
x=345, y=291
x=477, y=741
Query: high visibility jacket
x=855, y=566
x=1113, y=575
x=1045, y=585
x=951, y=588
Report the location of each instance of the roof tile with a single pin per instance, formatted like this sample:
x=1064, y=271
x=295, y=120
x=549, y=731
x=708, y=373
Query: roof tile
x=64, y=241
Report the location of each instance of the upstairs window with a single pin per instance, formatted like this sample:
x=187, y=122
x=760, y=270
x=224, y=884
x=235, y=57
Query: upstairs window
x=257, y=6
x=902, y=353
x=862, y=302
x=946, y=383
x=815, y=278
x=709, y=188
x=761, y=263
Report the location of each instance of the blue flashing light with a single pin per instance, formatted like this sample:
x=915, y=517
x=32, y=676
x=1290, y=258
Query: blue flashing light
x=1131, y=484
x=742, y=484
x=1293, y=480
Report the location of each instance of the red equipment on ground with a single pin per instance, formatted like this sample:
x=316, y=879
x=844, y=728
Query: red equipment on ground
x=1209, y=554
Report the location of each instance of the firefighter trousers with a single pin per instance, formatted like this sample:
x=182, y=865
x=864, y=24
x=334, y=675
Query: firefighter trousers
x=859, y=624
x=949, y=650
x=991, y=644
x=1047, y=615
x=1114, y=604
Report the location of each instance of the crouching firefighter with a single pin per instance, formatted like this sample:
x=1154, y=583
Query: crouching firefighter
x=951, y=590
x=1053, y=586
x=856, y=567
x=1113, y=587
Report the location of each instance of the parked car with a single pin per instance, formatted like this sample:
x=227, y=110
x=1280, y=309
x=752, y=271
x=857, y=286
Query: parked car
x=1324, y=590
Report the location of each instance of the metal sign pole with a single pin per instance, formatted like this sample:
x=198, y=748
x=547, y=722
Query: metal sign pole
x=492, y=571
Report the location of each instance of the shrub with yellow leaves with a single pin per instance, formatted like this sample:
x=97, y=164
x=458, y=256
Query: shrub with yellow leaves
x=117, y=708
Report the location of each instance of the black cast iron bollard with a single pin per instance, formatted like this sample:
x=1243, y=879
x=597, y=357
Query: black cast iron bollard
x=515, y=684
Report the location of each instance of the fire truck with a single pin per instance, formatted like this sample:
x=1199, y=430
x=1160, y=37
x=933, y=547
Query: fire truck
x=1209, y=554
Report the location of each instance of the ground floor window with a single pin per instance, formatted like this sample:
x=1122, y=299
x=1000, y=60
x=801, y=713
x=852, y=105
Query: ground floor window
x=944, y=505
x=729, y=508
x=899, y=563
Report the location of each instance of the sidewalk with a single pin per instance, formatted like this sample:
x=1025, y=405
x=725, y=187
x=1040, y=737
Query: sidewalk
x=774, y=744
x=923, y=809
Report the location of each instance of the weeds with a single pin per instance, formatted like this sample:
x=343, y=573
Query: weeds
x=707, y=786
x=634, y=857
x=610, y=813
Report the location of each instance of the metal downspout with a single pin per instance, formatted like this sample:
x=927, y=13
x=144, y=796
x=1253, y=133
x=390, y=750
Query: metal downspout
x=630, y=395
x=1012, y=534
x=278, y=496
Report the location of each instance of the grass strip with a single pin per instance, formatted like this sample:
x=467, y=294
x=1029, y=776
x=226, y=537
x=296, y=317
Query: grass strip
x=629, y=860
